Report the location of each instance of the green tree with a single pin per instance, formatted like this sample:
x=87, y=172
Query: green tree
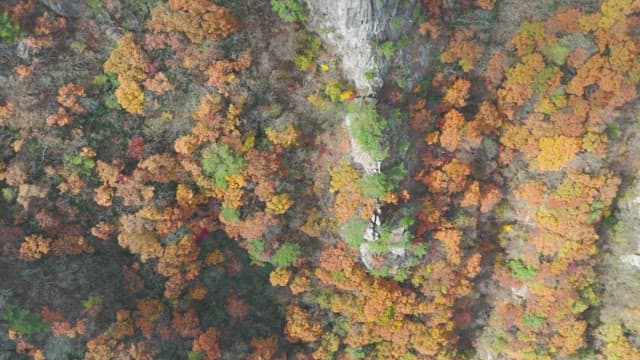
x=218, y=161
x=353, y=231
x=22, y=320
x=368, y=128
x=286, y=255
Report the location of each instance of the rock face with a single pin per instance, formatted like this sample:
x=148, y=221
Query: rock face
x=354, y=27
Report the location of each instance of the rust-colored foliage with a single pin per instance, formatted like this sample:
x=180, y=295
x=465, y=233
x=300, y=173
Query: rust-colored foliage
x=451, y=242
x=263, y=348
x=451, y=132
x=186, y=324
x=457, y=94
x=463, y=50
x=207, y=343
x=198, y=20
x=222, y=71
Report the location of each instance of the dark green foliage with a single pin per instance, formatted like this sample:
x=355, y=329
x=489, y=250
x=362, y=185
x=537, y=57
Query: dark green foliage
x=22, y=320
x=613, y=130
x=353, y=231
x=10, y=32
x=218, y=161
x=521, y=271
x=289, y=10
x=195, y=355
x=308, y=48
x=8, y=194
x=368, y=127
x=286, y=255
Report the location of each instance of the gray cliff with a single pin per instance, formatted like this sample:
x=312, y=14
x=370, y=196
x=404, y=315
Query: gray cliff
x=354, y=28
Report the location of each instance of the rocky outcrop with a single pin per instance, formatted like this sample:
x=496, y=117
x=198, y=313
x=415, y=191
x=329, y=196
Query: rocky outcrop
x=353, y=28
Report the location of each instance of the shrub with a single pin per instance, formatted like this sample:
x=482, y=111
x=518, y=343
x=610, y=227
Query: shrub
x=286, y=255
x=289, y=10
x=10, y=32
x=387, y=49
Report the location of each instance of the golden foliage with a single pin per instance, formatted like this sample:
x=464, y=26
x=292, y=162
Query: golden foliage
x=280, y=277
x=342, y=175
x=285, y=138
x=128, y=61
x=34, y=247
x=556, y=152
x=130, y=96
x=300, y=283
x=279, y=204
